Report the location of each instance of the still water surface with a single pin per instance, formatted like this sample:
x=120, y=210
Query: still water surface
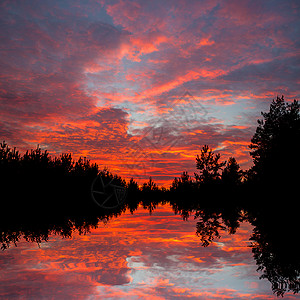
x=135, y=256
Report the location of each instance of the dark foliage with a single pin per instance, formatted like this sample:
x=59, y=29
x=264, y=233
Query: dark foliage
x=274, y=247
x=275, y=147
x=209, y=166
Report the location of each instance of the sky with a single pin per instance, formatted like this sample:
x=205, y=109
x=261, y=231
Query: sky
x=140, y=86
x=136, y=257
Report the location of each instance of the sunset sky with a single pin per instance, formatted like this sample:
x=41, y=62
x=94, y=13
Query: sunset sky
x=141, y=86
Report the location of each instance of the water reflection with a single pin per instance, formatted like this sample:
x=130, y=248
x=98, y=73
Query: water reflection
x=273, y=240
x=123, y=254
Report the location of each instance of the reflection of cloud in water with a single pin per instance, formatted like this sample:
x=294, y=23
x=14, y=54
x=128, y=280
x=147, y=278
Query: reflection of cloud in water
x=134, y=256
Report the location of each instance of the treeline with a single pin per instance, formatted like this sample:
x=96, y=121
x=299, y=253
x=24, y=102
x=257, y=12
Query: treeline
x=38, y=162
x=215, y=179
x=274, y=148
x=37, y=174
x=36, y=182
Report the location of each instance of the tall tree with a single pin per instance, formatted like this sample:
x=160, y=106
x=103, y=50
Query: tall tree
x=275, y=145
x=208, y=165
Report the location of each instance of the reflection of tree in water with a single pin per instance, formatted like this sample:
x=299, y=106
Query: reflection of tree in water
x=274, y=246
x=38, y=229
x=278, y=265
x=273, y=240
x=210, y=225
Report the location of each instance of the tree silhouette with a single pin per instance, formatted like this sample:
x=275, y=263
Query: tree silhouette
x=208, y=165
x=275, y=145
x=149, y=186
x=232, y=173
x=183, y=184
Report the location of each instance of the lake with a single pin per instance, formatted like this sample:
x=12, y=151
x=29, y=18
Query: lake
x=135, y=256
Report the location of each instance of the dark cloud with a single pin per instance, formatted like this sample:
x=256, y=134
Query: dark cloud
x=281, y=71
x=43, y=58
